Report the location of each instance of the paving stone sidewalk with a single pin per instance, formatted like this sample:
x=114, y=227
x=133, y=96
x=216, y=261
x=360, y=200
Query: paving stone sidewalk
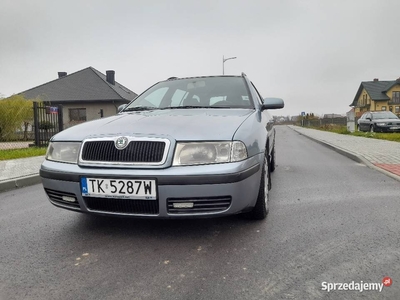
x=381, y=154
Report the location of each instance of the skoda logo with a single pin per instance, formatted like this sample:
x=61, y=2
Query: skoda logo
x=121, y=143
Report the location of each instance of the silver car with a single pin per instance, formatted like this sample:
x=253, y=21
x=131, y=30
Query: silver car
x=186, y=147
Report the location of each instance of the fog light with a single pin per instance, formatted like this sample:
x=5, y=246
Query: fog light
x=183, y=205
x=69, y=199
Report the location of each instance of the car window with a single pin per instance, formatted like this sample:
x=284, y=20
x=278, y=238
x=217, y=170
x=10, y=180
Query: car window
x=217, y=92
x=384, y=115
x=214, y=100
x=259, y=98
x=178, y=97
x=154, y=98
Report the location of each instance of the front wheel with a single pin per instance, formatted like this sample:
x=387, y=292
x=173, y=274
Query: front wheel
x=260, y=210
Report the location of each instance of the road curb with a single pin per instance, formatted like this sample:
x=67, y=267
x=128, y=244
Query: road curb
x=19, y=182
x=349, y=154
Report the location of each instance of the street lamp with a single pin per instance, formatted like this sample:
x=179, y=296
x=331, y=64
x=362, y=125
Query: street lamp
x=223, y=62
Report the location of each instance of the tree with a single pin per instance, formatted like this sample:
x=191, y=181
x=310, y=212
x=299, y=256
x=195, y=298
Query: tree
x=15, y=111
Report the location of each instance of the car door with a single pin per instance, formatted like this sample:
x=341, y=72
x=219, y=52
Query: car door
x=368, y=121
x=364, y=122
x=361, y=123
x=267, y=119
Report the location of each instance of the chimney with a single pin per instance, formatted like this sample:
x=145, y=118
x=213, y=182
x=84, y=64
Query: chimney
x=62, y=74
x=376, y=79
x=110, y=77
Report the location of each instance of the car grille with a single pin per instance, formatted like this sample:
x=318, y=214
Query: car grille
x=57, y=196
x=125, y=206
x=135, y=152
x=200, y=205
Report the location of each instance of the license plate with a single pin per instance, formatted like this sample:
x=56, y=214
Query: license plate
x=119, y=188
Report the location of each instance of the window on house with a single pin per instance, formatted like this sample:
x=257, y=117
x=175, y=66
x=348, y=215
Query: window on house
x=363, y=101
x=397, y=109
x=77, y=114
x=396, y=97
x=383, y=107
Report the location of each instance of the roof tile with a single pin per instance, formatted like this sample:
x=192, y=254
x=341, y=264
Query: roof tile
x=84, y=85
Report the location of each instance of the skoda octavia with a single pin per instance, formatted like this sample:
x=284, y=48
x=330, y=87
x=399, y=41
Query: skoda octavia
x=186, y=147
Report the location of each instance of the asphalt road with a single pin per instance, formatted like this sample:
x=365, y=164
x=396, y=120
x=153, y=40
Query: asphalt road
x=331, y=220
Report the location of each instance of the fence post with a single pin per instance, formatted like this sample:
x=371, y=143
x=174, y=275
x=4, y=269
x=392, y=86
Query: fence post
x=36, y=123
x=60, y=118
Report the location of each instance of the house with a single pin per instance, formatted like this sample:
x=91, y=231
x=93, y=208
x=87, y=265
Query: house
x=377, y=95
x=84, y=95
x=332, y=116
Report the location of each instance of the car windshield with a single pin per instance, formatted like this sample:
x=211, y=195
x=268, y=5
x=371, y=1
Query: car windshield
x=384, y=115
x=201, y=92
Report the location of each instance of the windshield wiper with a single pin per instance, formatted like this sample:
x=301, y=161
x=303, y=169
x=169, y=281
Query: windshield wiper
x=184, y=107
x=139, y=108
x=142, y=108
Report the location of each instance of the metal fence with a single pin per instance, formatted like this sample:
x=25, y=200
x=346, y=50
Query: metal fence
x=47, y=121
x=324, y=121
x=15, y=126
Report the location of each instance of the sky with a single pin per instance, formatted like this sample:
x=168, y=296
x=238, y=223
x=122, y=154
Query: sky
x=311, y=53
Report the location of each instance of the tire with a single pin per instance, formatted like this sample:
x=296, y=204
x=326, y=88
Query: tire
x=273, y=160
x=261, y=209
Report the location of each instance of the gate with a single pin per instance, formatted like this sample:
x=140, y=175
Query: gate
x=48, y=120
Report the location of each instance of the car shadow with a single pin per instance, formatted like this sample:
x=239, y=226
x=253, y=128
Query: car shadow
x=165, y=228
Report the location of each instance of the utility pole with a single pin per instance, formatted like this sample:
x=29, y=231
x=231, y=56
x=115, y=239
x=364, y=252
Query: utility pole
x=223, y=62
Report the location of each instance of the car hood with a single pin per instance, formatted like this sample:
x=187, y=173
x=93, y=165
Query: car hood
x=179, y=124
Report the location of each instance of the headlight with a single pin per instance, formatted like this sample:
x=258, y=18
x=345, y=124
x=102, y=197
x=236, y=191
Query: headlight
x=202, y=153
x=381, y=124
x=67, y=152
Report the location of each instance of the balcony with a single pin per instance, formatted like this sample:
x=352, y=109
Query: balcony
x=394, y=102
x=362, y=105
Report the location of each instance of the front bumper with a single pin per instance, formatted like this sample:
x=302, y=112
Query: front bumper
x=387, y=128
x=214, y=190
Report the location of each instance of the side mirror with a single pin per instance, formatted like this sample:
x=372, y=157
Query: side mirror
x=121, y=107
x=272, y=103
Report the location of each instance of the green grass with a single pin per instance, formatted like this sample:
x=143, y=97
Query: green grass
x=333, y=128
x=395, y=137
x=22, y=153
x=341, y=129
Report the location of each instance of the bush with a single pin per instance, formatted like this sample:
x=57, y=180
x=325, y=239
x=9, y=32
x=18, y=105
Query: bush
x=15, y=112
x=46, y=125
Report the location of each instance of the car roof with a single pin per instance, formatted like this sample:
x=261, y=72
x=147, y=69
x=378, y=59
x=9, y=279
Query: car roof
x=211, y=76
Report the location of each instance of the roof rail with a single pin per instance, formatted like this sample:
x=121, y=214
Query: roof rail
x=172, y=78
